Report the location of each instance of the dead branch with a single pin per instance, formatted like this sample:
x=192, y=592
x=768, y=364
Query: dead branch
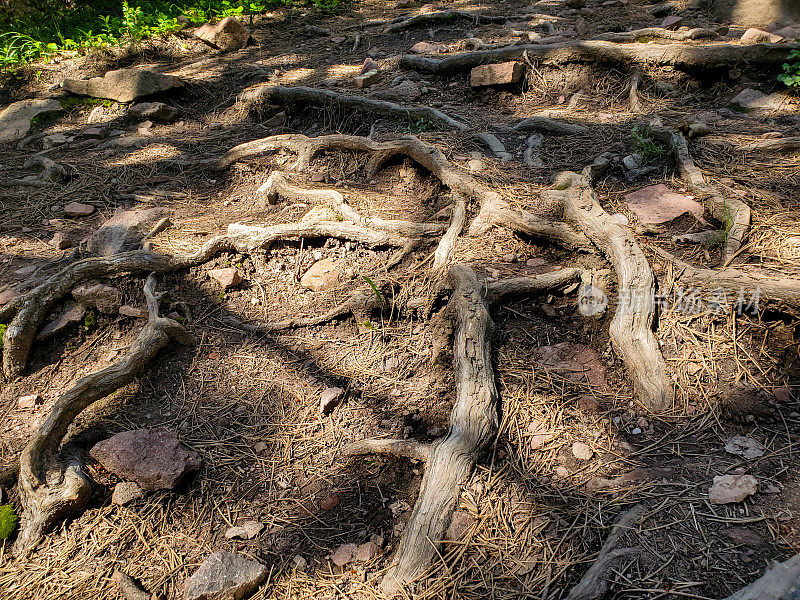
x=264, y=94
x=52, y=484
x=473, y=423
x=633, y=95
x=687, y=57
x=390, y=447
x=496, y=291
x=442, y=15
x=631, y=328
x=448, y=241
x=594, y=583
x=646, y=33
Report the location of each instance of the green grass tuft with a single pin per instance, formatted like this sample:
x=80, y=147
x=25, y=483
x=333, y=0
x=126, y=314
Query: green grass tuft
x=8, y=521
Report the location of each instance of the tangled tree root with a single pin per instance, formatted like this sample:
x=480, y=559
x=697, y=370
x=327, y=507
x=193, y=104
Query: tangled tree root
x=696, y=57
x=52, y=484
x=594, y=583
x=631, y=328
x=781, y=582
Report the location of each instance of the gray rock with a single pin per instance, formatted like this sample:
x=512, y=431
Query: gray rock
x=155, y=459
x=405, y=90
x=126, y=492
x=123, y=231
x=57, y=139
x=15, y=120
x=104, y=298
x=78, y=209
x=744, y=446
x=68, y=318
x=224, y=576
x=48, y=169
x=330, y=399
x=154, y=111
x=124, y=85
x=226, y=35
x=727, y=489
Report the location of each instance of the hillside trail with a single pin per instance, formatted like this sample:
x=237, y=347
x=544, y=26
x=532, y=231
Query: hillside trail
x=461, y=300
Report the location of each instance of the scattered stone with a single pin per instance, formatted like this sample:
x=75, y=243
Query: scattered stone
x=104, y=298
x=225, y=576
x=133, y=312
x=124, y=85
x=657, y=204
x=756, y=36
x=748, y=98
x=78, y=209
x=751, y=99
x=246, y=531
x=589, y=404
x=367, y=79
x=63, y=240
x=476, y=165
x=98, y=115
x=404, y=90
x=732, y=488
x=636, y=431
x=323, y=275
x=459, y=525
x=330, y=502
x=496, y=74
x=227, y=35
x=425, y=48
x=48, y=169
x=782, y=394
x=154, y=458
x=92, y=133
x=672, y=22
x=300, y=563
x=344, y=555
x=277, y=120
x=582, y=451
x=126, y=492
x=562, y=471
x=744, y=446
x=369, y=65
x=748, y=537
x=68, y=318
x=789, y=33
x=330, y=399
x=698, y=130
x=368, y=551
x=577, y=362
x=15, y=120
x=123, y=231
x=227, y=277
x=144, y=128
x=29, y=402
x=539, y=435
x=57, y=139
x=662, y=10
x=154, y=111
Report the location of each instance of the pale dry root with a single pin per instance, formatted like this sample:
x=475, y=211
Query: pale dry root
x=631, y=328
x=781, y=582
x=390, y=447
x=698, y=33
x=787, y=144
x=594, y=584
x=52, y=483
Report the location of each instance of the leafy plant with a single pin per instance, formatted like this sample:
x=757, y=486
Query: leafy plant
x=2, y=334
x=649, y=150
x=791, y=71
x=8, y=521
x=376, y=291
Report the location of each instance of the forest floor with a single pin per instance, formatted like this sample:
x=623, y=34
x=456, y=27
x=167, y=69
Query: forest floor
x=535, y=510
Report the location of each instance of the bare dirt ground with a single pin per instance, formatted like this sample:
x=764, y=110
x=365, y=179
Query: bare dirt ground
x=533, y=516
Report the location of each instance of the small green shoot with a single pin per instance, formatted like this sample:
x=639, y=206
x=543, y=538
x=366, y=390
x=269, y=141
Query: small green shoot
x=377, y=292
x=2, y=334
x=8, y=521
x=649, y=150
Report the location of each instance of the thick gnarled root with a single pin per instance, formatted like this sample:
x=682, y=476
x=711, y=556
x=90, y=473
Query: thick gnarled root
x=52, y=484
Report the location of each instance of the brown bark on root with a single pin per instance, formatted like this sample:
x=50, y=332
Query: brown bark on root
x=264, y=94
x=631, y=328
x=493, y=209
x=594, y=583
x=52, y=484
x=687, y=57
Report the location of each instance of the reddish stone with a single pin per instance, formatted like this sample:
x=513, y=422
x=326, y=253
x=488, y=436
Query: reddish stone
x=756, y=36
x=77, y=209
x=227, y=35
x=672, y=22
x=227, y=277
x=496, y=74
x=330, y=502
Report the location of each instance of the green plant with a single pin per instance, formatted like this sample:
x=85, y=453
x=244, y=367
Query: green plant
x=89, y=321
x=649, y=150
x=791, y=71
x=376, y=291
x=8, y=521
x=2, y=334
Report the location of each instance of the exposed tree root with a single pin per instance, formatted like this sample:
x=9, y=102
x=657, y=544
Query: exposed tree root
x=495, y=145
x=686, y=57
x=493, y=209
x=495, y=291
x=594, y=583
x=550, y=126
x=781, y=582
x=264, y=94
x=442, y=15
x=448, y=242
x=631, y=328
x=531, y=155
x=787, y=144
x=729, y=210
x=52, y=484
x=389, y=447
x=637, y=35
x=633, y=95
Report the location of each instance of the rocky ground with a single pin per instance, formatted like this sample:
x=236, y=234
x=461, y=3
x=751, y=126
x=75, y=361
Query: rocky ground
x=234, y=451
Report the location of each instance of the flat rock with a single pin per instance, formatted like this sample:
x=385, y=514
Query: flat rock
x=330, y=399
x=459, y=525
x=369, y=65
x=425, y=48
x=228, y=35
x=63, y=240
x=123, y=231
x=227, y=277
x=124, y=85
x=344, y=555
x=126, y=492
x=756, y=101
x=496, y=74
x=367, y=79
x=323, y=275
x=68, y=318
x=29, y=402
x=589, y=404
x=405, y=91
x=104, y=298
x=748, y=537
x=756, y=36
x=78, y=209
x=732, y=488
x=368, y=551
x=133, y=312
x=154, y=111
x=538, y=435
x=246, y=531
x=744, y=446
x=657, y=204
x=672, y=22
x=582, y=451
x=225, y=576
x=15, y=120
x=576, y=362
x=155, y=459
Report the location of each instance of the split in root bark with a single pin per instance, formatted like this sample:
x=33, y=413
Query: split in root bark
x=52, y=483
